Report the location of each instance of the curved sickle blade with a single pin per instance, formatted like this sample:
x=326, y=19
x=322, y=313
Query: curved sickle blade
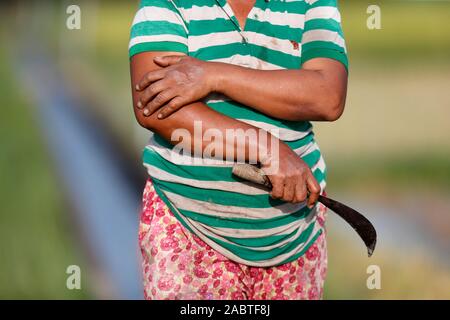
x=361, y=224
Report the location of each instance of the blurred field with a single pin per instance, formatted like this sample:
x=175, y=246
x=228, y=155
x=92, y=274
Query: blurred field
x=36, y=233
x=392, y=143
x=405, y=274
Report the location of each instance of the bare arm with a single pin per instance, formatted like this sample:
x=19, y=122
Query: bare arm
x=315, y=92
x=185, y=118
x=291, y=181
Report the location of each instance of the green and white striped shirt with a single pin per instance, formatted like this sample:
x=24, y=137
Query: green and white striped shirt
x=239, y=220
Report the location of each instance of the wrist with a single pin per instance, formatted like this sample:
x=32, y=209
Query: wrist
x=271, y=152
x=270, y=161
x=215, y=75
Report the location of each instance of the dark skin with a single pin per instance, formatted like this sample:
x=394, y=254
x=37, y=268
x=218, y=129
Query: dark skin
x=173, y=84
x=241, y=9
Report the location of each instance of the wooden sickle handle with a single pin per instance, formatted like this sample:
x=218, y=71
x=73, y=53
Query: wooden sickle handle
x=251, y=173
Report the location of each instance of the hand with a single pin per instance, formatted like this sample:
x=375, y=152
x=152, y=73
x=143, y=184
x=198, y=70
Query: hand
x=292, y=180
x=181, y=81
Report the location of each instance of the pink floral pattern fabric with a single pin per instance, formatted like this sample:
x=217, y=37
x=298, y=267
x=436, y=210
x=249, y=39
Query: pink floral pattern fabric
x=178, y=265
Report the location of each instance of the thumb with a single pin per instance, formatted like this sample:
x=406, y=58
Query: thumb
x=165, y=61
x=314, y=191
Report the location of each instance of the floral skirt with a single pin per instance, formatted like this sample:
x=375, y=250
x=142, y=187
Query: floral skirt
x=178, y=265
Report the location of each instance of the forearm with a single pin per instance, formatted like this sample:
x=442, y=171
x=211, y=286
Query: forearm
x=211, y=123
x=286, y=94
x=199, y=123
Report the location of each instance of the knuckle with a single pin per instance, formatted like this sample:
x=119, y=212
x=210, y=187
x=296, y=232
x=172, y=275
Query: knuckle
x=190, y=94
x=171, y=76
x=301, y=196
x=146, y=95
x=276, y=189
x=144, y=99
x=159, y=98
x=276, y=180
x=291, y=175
x=172, y=105
x=152, y=90
x=276, y=192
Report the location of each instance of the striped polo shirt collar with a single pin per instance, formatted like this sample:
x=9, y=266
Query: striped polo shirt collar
x=223, y=4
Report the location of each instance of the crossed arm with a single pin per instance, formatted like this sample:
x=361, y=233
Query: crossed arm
x=172, y=85
x=314, y=93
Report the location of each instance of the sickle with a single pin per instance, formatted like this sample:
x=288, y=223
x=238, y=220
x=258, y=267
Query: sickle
x=359, y=223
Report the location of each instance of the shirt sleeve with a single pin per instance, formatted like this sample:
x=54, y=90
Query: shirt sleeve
x=158, y=26
x=322, y=35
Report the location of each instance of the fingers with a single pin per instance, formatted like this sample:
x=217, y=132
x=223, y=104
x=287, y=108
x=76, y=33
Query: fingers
x=314, y=190
x=289, y=190
x=174, y=105
x=165, y=61
x=149, y=78
x=277, y=187
x=151, y=92
x=296, y=189
x=300, y=192
x=157, y=74
x=157, y=102
x=283, y=188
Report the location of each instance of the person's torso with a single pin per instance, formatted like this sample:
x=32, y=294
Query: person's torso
x=209, y=200
x=270, y=40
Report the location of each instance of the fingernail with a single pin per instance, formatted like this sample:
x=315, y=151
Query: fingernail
x=146, y=112
x=138, y=88
x=160, y=116
x=139, y=104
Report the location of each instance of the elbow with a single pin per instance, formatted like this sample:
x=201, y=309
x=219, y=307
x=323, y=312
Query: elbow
x=333, y=112
x=325, y=106
x=143, y=121
x=140, y=119
x=146, y=122
x=332, y=108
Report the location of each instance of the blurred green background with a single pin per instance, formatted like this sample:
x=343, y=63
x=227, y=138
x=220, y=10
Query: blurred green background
x=389, y=155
